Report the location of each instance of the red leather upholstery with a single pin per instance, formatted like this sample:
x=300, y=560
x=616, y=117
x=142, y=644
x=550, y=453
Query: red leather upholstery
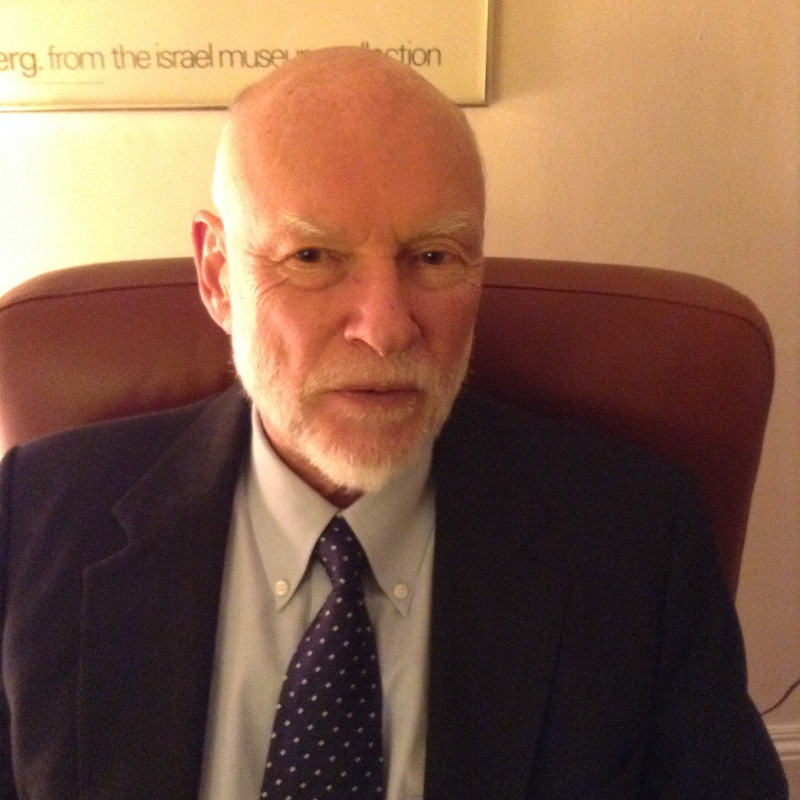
x=678, y=363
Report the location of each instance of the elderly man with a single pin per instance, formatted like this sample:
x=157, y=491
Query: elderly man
x=359, y=581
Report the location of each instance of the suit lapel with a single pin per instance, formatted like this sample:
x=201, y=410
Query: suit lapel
x=149, y=617
x=497, y=615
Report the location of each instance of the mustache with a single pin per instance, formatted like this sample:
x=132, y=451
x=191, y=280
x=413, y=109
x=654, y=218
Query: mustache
x=400, y=371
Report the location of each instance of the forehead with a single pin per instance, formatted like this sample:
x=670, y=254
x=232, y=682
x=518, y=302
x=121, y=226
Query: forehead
x=361, y=176
x=370, y=142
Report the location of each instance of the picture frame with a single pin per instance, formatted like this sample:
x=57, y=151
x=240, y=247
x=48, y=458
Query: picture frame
x=106, y=54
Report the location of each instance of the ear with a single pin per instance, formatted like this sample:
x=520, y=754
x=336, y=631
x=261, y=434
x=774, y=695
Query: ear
x=211, y=262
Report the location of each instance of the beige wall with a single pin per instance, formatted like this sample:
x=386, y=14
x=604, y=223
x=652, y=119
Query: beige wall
x=663, y=134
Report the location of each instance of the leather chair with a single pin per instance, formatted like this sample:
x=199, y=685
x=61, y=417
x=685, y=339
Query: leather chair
x=677, y=363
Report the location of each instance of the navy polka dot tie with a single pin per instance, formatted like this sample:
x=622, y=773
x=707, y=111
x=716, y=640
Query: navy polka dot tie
x=326, y=739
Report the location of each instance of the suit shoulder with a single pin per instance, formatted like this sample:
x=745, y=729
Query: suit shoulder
x=96, y=454
x=130, y=437
x=582, y=476
x=550, y=445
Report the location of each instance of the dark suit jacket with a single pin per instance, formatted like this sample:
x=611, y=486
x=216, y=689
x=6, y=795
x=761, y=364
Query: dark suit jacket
x=583, y=643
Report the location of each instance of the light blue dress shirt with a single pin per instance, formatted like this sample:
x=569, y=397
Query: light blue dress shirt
x=271, y=594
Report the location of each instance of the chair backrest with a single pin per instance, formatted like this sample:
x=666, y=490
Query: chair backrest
x=677, y=363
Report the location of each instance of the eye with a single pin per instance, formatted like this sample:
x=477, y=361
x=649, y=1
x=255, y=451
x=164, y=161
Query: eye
x=313, y=268
x=309, y=255
x=433, y=258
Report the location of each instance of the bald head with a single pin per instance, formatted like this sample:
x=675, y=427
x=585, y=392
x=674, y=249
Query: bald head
x=346, y=108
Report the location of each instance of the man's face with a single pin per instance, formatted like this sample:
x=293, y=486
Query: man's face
x=354, y=281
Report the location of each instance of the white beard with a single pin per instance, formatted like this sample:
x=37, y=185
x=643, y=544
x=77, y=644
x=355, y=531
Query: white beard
x=359, y=463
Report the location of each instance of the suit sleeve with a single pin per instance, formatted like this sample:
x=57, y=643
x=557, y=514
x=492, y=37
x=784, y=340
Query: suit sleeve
x=7, y=791
x=709, y=740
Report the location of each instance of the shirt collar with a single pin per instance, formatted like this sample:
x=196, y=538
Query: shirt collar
x=394, y=525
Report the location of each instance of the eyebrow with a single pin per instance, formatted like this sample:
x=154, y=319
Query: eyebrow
x=446, y=226
x=308, y=227
x=452, y=223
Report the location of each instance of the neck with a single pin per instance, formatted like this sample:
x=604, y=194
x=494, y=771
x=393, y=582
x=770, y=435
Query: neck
x=339, y=496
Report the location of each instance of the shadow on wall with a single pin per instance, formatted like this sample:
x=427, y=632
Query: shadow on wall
x=521, y=49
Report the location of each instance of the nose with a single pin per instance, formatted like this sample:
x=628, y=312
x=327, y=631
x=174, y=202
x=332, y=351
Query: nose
x=381, y=309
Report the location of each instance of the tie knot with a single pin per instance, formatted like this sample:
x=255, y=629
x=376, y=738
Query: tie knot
x=342, y=555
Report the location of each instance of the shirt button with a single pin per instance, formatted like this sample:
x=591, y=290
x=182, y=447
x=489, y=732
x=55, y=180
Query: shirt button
x=282, y=588
x=401, y=591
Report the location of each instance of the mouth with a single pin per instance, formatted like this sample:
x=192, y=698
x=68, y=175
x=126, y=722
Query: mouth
x=365, y=398
x=378, y=392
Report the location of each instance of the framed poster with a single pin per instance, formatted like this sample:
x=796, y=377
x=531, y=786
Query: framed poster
x=94, y=54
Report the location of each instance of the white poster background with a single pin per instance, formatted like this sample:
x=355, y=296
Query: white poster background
x=185, y=53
